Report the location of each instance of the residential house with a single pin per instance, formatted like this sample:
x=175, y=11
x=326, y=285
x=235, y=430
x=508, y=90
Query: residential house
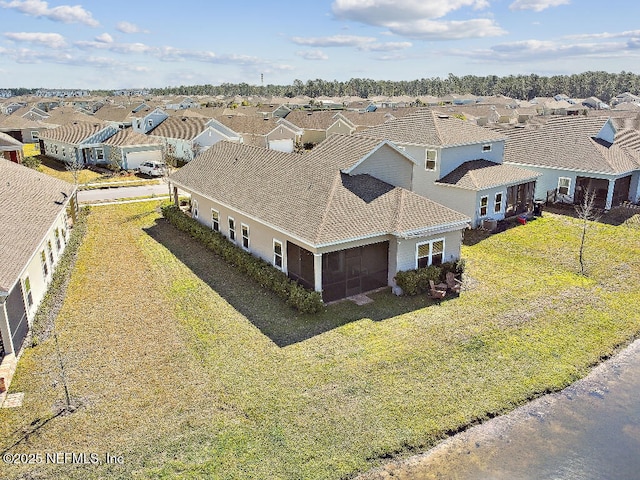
x=341, y=219
x=179, y=134
x=22, y=129
x=10, y=148
x=266, y=132
x=130, y=149
x=578, y=154
x=319, y=125
x=460, y=165
x=147, y=119
x=9, y=107
x=117, y=115
x=77, y=142
x=34, y=234
x=274, y=111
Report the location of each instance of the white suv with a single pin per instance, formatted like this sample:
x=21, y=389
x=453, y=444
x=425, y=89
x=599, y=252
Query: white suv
x=153, y=169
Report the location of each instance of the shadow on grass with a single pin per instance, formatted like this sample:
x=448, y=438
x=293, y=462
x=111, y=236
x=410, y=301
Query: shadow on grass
x=281, y=323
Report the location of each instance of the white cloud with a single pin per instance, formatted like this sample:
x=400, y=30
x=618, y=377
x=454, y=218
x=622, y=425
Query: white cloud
x=537, y=5
x=62, y=13
x=420, y=19
x=128, y=27
x=52, y=40
x=313, y=55
x=626, y=34
x=334, y=41
x=387, y=47
x=104, y=38
x=450, y=30
x=380, y=12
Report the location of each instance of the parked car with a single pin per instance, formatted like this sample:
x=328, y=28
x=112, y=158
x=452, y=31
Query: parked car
x=153, y=169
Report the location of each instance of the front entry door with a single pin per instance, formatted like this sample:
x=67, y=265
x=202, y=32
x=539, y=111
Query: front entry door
x=354, y=282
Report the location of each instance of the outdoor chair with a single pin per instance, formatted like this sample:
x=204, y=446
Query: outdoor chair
x=453, y=283
x=436, y=291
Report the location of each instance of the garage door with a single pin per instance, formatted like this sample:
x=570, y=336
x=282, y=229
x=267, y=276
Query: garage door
x=285, y=145
x=135, y=159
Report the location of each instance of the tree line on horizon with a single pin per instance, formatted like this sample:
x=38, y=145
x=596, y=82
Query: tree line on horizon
x=603, y=85
x=599, y=84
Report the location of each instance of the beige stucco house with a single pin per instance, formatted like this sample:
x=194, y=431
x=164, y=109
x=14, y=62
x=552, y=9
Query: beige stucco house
x=341, y=219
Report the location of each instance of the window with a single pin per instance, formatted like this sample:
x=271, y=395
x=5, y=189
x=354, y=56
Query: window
x=497, y=206
x=245, y=236
x=45, y=266
x=57, y=234
x=99, y=153
x=194, y=208
x=486, y=148
x=430, y=160
x=232, y=229
x=564, y=184
x=50, y=250
x=64, y=152
x=484, y=203
x=430, y=253
x=215, y=220
x=277, y=254
x=34, y=135
x=150, y=122
x=27, y=291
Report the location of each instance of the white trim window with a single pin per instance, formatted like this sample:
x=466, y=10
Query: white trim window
x=57, y=236
x=430, y=159
x=35, y=135
x=45, y=265
x=50, y=251
x=232, y=229
x=245, y=235
x=484, y=205
x=194, y=208
x=99, y=154
x=28, y=295
x=215, y=220
x=278, y=254
x=497, y=205
x=430, y=253
x=564, y=185
x=486, y=147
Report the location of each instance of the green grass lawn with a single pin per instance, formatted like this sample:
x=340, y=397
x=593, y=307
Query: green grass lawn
x=188, y=370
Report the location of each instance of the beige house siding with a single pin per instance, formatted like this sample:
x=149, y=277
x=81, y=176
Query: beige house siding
x=407, y=249
x=388, y=165
x=340, y=127
x=313, y=136
x=281, y=133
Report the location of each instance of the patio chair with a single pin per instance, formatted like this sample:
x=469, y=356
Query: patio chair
x=453, y=283
x=437, y=292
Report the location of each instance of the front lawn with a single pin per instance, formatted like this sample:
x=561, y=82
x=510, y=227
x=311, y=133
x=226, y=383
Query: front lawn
x=188, y=370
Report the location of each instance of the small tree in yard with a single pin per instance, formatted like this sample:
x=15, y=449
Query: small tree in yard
x=587, y=212
x=116, y=162
x=74, y=166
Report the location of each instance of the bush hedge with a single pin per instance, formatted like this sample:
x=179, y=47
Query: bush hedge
x=415, y=282
x=269, y=277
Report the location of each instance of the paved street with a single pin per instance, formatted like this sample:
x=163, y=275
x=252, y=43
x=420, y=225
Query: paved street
x=105, y=194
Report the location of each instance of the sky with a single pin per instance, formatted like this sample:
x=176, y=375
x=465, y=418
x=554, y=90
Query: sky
x=120, y=44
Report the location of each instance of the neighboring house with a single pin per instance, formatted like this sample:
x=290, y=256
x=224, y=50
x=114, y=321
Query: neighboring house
x=130, y=149
x=33, y=237
x=146, y=120
x=460, y=165
x=274, y=111
x=118, y=116
x=595, y=103
x=268, y=132
x=579, y=154
x=9, y=107
x=78, y=141
x=625, y=97
x=186, y=102
x=179, y=134
x=22, y=129
x=340, y=219
x=365, y=119
x=10, y=149
x=319, y=125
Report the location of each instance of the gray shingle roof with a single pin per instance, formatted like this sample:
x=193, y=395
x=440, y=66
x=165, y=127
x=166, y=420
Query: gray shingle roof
x=318, y=120
x=7, y=142
x=428, y=127
x=128, y=138
x=307, y=196
x=246, y=124
x=483, y=174
x=72, y=133
x=185, y=128
x=570, y=143
x=31, y=201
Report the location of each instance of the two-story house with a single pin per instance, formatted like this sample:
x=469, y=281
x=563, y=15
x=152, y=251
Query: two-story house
x=460, y=165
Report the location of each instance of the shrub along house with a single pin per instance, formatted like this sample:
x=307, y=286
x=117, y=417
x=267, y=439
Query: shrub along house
x=342, y=219
x=32, y=239
x=460, y=165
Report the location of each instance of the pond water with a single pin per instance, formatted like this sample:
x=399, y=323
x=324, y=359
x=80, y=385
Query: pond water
x=591, y=430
